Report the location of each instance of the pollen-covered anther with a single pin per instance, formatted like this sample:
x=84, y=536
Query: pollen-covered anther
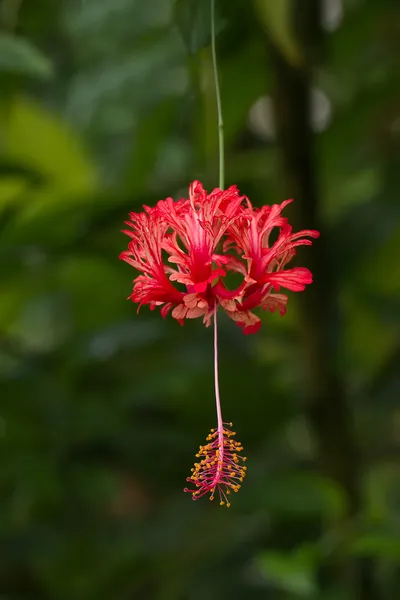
x=220, y=467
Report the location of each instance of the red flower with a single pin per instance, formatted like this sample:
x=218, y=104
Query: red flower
x=183, y=251
x=188, y=233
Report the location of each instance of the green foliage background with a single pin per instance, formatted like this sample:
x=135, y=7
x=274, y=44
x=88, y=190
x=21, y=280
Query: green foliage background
x=106, y=105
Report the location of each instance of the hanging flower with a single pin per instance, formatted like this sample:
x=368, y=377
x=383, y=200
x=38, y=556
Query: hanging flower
x=175, y=247
x=184, y=251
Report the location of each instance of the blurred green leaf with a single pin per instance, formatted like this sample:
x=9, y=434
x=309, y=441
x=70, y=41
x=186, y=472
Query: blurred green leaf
x=277, y=17
x=12, y=300
x=18, y=55
x=382, y=492
x=11, y=189
x=290, y=572
x=193, y=19
x=378, y=546
x=41, y=141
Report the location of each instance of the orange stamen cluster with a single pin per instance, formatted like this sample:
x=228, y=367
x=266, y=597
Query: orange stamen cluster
x=220, y=467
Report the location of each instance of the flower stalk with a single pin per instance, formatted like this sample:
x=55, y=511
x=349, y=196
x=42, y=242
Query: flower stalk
x=221, y=467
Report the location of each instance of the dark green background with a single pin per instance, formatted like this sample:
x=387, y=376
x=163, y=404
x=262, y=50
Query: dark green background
x=106, y=105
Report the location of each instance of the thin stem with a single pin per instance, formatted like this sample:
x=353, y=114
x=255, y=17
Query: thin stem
x=220, y=423
x=219, y=107
x=217, y=397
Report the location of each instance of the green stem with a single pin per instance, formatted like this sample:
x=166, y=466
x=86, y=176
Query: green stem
x=218, y=96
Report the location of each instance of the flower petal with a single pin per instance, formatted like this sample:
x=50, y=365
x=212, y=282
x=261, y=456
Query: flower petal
x=294, y=279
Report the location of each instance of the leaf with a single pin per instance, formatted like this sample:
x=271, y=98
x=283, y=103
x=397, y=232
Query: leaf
x=18, y=55
x=381, y=492
x=293, y=573
x=40, y=141
x=11, y=188
x=377, y=545
x=193, y=19
x=13, y=169
x=12, y=299
x=277, y=20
